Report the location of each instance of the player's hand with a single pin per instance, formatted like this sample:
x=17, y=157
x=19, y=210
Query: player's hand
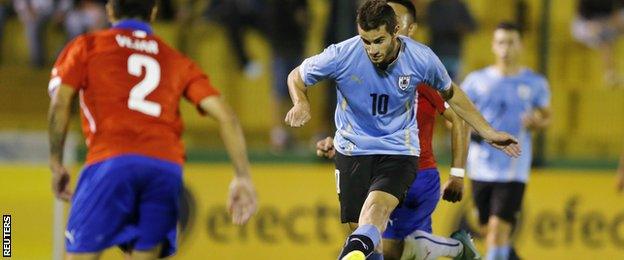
x=60, y=182
x=298, y=115
x=504, y=142
x=453, y=189
x=242, y=200
x=533, y=121
x=325, y=148
x=530, y=121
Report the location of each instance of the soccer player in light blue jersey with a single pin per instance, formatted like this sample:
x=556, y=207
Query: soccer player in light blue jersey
x=517, y=100
x=377, y=73
x=409, y=231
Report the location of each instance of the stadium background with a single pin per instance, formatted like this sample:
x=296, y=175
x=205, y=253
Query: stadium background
x=571, y=210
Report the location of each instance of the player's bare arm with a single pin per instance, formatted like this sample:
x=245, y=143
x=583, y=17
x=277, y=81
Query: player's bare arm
x=242, y=201
x=59, y=115
x=299, y=114
x=539, y=118
x=452, y=190
x=460, y=103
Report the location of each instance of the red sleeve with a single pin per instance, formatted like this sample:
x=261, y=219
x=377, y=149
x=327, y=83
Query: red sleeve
x=70, y=67
x=198, y=86
x=433, y=97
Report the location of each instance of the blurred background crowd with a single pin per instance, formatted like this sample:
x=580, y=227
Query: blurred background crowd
x=248, y=47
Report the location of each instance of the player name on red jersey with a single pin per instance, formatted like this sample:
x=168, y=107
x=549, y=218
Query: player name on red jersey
x=149, y=46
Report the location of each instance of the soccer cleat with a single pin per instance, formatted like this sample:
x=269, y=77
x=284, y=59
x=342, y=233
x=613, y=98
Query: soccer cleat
x=470, y=251
x=354, y=255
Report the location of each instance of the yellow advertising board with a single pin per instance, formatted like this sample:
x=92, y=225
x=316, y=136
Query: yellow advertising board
x=567, y=215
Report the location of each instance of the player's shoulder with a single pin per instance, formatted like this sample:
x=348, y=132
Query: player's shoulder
x=533, y=76
x=413, y=44
x=480, y=74
x=168, y=49
x=79, y=46
x=416, y=47
x=347, y=46
x=82, y=41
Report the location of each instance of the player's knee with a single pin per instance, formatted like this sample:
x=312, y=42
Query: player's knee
x=149, y=254
x=498, y=231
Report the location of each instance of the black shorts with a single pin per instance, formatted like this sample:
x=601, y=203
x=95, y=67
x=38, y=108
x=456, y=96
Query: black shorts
x=356, y=176
x=501, y=199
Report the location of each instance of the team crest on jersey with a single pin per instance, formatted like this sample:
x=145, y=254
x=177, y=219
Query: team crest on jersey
x=524, y=92
x=404, y=82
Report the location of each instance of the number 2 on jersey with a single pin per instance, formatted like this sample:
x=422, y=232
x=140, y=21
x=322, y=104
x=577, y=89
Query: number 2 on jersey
x=138, y=93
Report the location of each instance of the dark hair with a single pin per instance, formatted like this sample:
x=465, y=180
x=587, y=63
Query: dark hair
x=375, y=13
x=509, y=26
x=141, y=9
x=595, y=9
x=409, y=5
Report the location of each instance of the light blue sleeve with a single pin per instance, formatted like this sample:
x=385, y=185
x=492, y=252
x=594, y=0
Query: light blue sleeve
x=542, y=95
x=319, y=67
x=469, y=86
x=437, y=76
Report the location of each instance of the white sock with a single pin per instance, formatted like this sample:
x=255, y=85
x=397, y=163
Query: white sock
x=421, y=245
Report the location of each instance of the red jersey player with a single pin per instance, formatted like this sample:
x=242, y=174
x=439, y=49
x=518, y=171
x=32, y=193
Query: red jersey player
x=129, y=84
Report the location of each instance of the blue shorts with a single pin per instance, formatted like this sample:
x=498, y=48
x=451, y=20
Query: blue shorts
x=415, y=212
x=130, y=201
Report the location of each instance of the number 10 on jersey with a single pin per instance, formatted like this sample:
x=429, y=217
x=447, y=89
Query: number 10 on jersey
x=379, y=104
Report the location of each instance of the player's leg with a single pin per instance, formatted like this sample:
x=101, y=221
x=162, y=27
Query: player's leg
x=412, y=221
x=482, y=193
x=413, y=213
x=366, y=239
x=422, y=245
x=151, y=254
x=392, y=248
x=497, y=239
x=353, y=174
x=505, y=205
x=101, y=209
x=391, y=177
x=158, y=210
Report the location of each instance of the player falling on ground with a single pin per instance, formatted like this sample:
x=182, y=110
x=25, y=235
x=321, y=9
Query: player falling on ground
x=376, y=141
x=129, y=84
x=517, y=100
x=408, y=235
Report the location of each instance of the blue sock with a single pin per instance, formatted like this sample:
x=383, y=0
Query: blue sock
x=365, y=239
x=369, y=231
x=498, y=253
x=375, y=256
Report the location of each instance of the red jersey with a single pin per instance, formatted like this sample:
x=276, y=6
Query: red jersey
x=130, y=84
x=430, y=104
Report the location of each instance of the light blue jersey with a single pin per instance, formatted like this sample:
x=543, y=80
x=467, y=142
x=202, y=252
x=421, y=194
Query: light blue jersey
x=375, y=112
x=504, y=101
